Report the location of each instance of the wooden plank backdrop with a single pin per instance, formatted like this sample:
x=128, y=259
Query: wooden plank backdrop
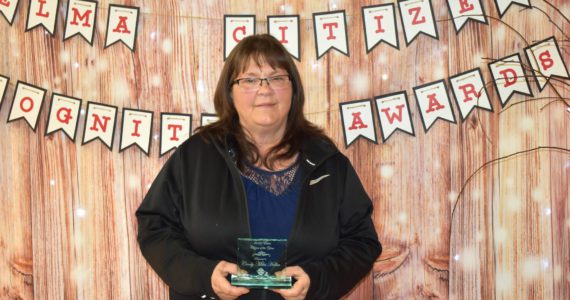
x=473, y=210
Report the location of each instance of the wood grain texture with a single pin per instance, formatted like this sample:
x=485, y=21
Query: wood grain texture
x=453, y=225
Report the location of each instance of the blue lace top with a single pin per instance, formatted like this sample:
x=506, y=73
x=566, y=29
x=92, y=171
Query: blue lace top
x=272, y=200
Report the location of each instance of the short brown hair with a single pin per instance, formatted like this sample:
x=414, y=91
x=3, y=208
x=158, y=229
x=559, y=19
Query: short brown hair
x=262, y=48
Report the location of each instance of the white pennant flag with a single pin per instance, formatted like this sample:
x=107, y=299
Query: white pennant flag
x=8, y=9
x=174, y=130
x=122, y=25
x=137, y=129
x=3, y=88
x=44, y=13
x=509, y=78
x=330, y=32
x=394, y=114
x=27, y=103
x=80, y=19
x=433, y=103
x=380, y=26
x=503, y=5
x=546, y=61
x=236, y=27
x=286, y=30
x=100, y=123
x=63, y=115
x=207, y=119
x=469, y=91
x=417, y=17
x=357, y=121
x=465, y=10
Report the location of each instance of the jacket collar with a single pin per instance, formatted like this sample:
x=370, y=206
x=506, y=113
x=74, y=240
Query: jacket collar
x=313, y=152
x=316, y=150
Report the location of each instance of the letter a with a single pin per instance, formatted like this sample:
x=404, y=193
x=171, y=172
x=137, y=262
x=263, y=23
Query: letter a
x=122, y=25
x=357, y=122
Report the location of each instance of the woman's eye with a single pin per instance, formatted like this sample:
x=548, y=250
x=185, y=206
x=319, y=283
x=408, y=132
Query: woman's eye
x=249, y=80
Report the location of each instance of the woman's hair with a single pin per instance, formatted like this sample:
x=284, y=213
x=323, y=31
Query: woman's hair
x=262, y=48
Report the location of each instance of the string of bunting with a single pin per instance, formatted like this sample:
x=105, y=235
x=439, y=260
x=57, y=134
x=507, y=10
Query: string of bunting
x=392, y=110
x=330, y=28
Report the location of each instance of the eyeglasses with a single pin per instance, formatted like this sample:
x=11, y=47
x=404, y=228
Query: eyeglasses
x=253, y=84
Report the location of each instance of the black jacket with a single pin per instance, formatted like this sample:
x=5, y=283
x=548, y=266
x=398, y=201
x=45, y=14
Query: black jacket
x=196, y=209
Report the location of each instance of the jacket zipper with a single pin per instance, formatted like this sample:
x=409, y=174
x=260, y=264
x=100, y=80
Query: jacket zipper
x=310, y=169
x=237, y=180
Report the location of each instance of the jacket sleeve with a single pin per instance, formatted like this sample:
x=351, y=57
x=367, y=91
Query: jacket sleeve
x=161, y=235
x=337, y=273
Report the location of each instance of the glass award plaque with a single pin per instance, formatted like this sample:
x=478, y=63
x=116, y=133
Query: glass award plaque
x=258, y=260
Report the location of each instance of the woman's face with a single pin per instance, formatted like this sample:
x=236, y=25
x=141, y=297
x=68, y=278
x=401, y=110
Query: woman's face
x=266, y=108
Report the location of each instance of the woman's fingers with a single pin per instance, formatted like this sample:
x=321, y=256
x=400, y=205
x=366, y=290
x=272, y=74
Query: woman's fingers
x=299, y=290
x=220, y=284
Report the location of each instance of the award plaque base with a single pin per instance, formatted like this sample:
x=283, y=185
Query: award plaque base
x=258, y=261
x=262, y=282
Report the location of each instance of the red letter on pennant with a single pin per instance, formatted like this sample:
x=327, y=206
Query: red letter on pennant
x=469, y=89
x=283, y=40
x=5, y=3
x=40, y=13
x=546, y=60
x=97, y=120
x=30, y=107
x=174, y=129
x=393, y=116
x=122, y=24
x=379, y=21
x=357, y=121
x=465, y=6
x=416, y=12
x=433, y=104
x=242, y=29
x=509, y=80
x=84, y=17
x=330, y=26
x=136, y=133
x=66, y=116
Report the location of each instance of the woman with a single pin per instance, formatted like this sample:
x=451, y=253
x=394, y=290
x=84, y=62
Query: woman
x=261, y=171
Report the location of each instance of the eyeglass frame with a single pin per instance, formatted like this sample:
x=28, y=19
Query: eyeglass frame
x=267, y=80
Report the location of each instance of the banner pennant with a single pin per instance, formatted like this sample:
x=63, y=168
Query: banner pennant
x=174, y=130
x=417, y=18
x=236, y=27
x=136, y=129
x=357, y=121
x=394, y=114
x=469, y=92
x=330, y=32
x=27, y=103
x=80, y=19
x=503, y=5
x=509, y=78
x=206, y=119
x=464, y=10
x=63, y=115
x=100, y=124
x=8, y=9
x=546, y=61
x=122, y=25
x=433, y=103
x=3, y=88
x=380, y=26
x=42, y=13
x=286, y=30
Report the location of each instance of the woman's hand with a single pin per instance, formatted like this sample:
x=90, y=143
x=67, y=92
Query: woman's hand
x=300, y=288
x=220, y=284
